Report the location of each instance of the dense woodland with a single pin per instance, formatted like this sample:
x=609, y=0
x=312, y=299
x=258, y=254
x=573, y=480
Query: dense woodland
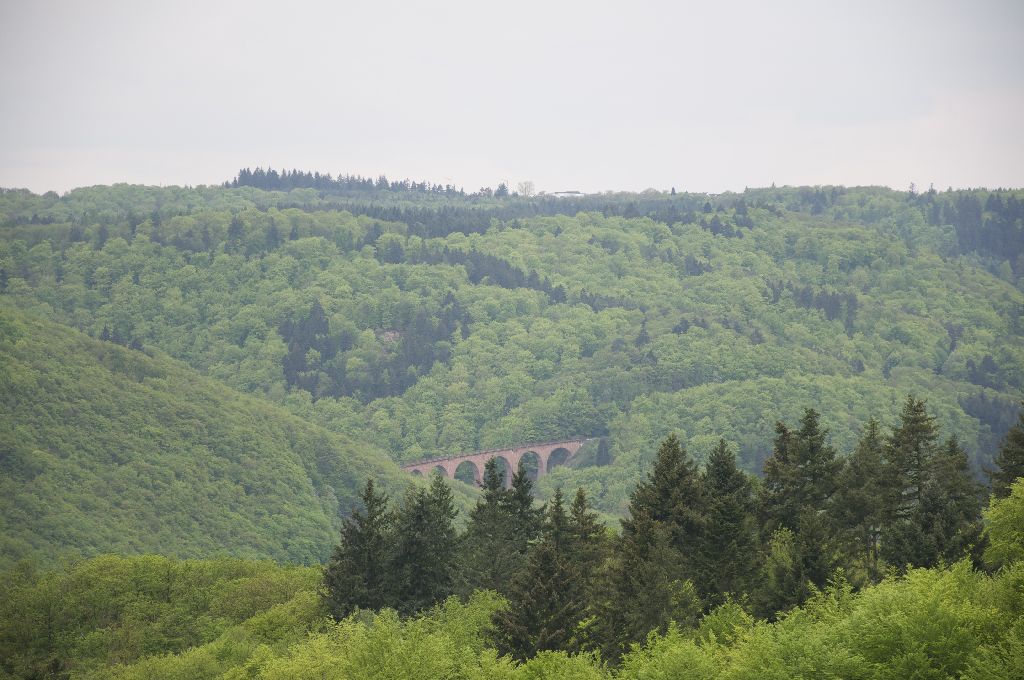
x=711, y=576
x=801, y=398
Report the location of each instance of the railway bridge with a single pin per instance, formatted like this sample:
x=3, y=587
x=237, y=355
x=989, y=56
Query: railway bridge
x=545, y=455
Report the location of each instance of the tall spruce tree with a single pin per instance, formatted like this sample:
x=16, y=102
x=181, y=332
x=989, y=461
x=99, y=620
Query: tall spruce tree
x=1010, y=460
x=673, y=495
x=949, y=516
x=356, y=574
x=909, y=453
x=908, y=463
x=728, y=552
x=422, y=568
x=547, y=599
x=526, y=519
x=491, y=548
x=858, y=506
x=589, y=537
x=647, y=583
x=801, y=474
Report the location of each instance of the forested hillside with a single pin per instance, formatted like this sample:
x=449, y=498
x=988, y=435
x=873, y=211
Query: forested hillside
x=109, y=449
x=429, y=321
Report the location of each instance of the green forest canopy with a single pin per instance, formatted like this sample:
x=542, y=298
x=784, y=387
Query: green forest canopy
x=429, y=322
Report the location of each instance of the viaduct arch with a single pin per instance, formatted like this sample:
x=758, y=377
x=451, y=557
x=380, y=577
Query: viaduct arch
x=548, y=455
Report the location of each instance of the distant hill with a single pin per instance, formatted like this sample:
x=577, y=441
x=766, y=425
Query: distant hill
x=428, y=321
x=107, y=449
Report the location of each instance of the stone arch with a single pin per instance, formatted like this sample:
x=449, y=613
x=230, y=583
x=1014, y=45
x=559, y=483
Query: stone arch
x=439, y=470
x=558, y=457
x=417, y=473
x=467, y=471
x=532, y=463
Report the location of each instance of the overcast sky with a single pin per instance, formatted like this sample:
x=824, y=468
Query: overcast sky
x=708, y=96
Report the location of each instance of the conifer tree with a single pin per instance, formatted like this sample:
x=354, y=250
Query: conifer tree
x=909, y=452
x=908, y=462
x=546, y=601
x=355, y=575
x=671, y=494
x=646, y=584
x=489, y=556
x=589, y=537
x=423, y=562
x=858, y=507
x=950, y=514
x=1010, y=460
x=728, y=552
x=800, y=474
x=526, y=520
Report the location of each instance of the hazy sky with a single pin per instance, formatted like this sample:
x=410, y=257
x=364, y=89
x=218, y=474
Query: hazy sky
x=707, y=96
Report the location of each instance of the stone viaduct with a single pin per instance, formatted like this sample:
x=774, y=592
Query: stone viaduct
x=545, y=455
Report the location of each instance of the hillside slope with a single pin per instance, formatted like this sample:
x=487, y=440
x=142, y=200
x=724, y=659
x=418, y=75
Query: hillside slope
x=430, y=323
x=107, y=449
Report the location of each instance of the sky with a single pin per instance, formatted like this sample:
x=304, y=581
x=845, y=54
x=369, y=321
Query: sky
x=588, y=96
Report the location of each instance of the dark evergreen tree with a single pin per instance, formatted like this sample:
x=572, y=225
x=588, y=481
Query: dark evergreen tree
x=647, y=582
x=728, y=553
x=949, y=517
x=489, y=556
x=356, y=574
x=672, y=494
x=909, y=452
x=546, y=601
x=643, y=588
x=908, y=459
x=525, y=519
x=588, y=536
x=1010, y=460
x=423, y=561
x=858, y=506
x=801, y=473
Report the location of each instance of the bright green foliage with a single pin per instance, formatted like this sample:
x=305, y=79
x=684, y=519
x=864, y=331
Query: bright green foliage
x=433, y=323
x=114, y=618
x=1010, y=460
x=110, y=610
x=356, y=576
x=110, y=449
x=1004, y=528
x=672, y=655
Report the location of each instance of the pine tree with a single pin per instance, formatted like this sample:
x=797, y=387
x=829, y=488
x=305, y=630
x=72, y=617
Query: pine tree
x=858, y=507
x=672, y=494
x=800, y=475
x=489, y=556
x=728, y=552
x=643, y=588
x=908, y=459
x=1010, y=460
x=525, y=520
x=950, y=512
x=908, y=456
x=355, y=575
x=423, y=562
x=546, y=601
x=647, y=583
x=588, y=535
